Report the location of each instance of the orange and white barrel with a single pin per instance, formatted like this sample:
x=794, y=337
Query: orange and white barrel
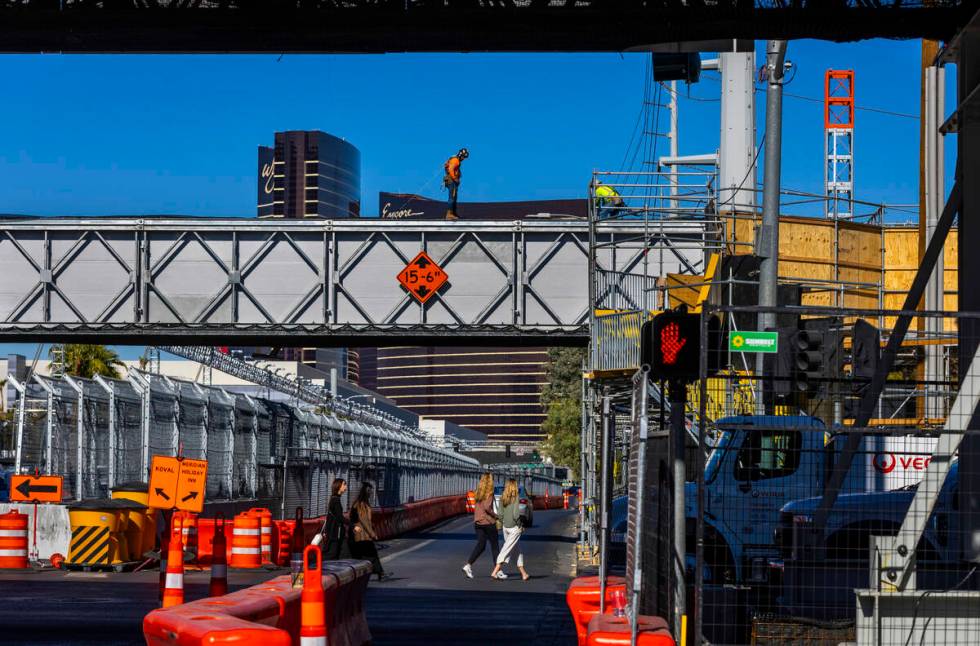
x=246, y=541
x=13, y=540
x=189, y=533
x=470, y=502
x=265, y=525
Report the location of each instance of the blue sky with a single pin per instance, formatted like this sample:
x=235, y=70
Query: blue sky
x=94, y=135
x=90, y=135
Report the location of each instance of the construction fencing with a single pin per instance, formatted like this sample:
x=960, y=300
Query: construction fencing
x=101, y=432
x=813, y=510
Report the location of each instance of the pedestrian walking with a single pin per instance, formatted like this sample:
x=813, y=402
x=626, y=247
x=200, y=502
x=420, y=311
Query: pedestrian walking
x=485, y=524
x=510, y=517
x=362, y=534
x=334, y=527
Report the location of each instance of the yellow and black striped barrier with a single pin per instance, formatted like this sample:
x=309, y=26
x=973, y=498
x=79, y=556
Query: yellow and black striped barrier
x=94, y=528
x=90, y=545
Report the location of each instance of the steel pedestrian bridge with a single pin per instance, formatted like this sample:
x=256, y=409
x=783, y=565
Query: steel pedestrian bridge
x=325, y=282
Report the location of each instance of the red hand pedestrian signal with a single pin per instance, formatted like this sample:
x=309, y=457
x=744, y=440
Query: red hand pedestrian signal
x=671, y=343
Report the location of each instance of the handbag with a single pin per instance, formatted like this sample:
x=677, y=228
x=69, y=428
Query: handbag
x=359, y=534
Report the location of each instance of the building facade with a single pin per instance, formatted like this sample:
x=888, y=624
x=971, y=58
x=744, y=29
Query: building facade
x=309, y=174
x=493, y=390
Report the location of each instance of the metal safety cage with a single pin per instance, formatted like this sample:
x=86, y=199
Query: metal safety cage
x=630, y=276
x=221, y=443
x=244, y=452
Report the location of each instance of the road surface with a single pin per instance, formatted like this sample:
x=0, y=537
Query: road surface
x=428, y=601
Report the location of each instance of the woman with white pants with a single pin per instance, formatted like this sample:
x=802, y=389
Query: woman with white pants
x=510, y=517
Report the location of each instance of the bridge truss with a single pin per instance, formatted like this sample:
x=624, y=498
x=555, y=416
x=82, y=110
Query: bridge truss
x=185, y=281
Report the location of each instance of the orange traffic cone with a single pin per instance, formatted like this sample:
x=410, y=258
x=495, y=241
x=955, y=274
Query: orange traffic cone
x=219, y=560
x=296, y=555
x=313, y=614
x=173, y=591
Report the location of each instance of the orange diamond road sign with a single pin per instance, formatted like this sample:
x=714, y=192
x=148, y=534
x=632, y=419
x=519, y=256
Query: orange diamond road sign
x=177, y=483
x=35, y=488
x=422, y=277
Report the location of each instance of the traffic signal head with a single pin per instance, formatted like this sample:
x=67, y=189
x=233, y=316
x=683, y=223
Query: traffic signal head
x=865, y=351
x=671, y=346
x=808, y=360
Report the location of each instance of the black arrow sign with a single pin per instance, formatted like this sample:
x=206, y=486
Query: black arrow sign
x=422, y=290
x=189, y=496
x=26, y=488
x=422, y=263
x=162, y=493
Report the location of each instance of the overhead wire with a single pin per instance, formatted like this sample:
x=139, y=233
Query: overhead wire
x=893, y=113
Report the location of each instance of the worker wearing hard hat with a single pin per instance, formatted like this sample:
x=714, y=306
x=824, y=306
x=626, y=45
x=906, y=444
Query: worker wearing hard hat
x=609, y=202
x=451, y=180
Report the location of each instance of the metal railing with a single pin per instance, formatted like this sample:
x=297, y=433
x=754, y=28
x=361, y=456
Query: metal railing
x=616, y=340
x=302, y=390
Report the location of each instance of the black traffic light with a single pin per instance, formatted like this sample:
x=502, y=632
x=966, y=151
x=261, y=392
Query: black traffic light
x=780, y=367
x=865, y=351
x=808, y=361
x=671, y=345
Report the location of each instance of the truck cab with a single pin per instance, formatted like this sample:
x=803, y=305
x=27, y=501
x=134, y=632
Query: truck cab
x=759, y=463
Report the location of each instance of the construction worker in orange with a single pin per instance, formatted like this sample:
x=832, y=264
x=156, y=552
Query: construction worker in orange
x=451, y=180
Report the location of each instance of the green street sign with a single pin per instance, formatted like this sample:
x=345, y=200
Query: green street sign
x=767, y=342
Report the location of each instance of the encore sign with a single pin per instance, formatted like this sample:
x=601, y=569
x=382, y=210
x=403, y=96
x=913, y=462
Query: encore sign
x=422, y=277
x=177, y=483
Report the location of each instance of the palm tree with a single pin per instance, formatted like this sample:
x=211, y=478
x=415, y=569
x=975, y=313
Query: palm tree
x=84, y=360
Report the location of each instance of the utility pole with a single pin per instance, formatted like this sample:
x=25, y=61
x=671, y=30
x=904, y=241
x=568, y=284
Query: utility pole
x=767, y=240
x=932, y=198
x=673, y=142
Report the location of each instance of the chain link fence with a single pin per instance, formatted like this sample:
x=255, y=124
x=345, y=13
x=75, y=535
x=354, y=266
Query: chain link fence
x=830, y=497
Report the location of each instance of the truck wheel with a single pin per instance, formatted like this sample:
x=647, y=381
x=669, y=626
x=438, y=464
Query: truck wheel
x=719, y=566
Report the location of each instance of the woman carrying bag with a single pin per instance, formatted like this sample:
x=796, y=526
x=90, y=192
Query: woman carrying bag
x=362, y=534
x=510, y=516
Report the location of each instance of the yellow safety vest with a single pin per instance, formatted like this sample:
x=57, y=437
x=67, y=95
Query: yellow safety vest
x=604, y=194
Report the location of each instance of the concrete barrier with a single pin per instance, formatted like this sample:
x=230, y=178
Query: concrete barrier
x=268, y=613
x=53, y=527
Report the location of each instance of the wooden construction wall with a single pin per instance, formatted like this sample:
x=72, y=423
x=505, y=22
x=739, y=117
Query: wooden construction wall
x=868, y=254
x=807, y=251
x=902, y=261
